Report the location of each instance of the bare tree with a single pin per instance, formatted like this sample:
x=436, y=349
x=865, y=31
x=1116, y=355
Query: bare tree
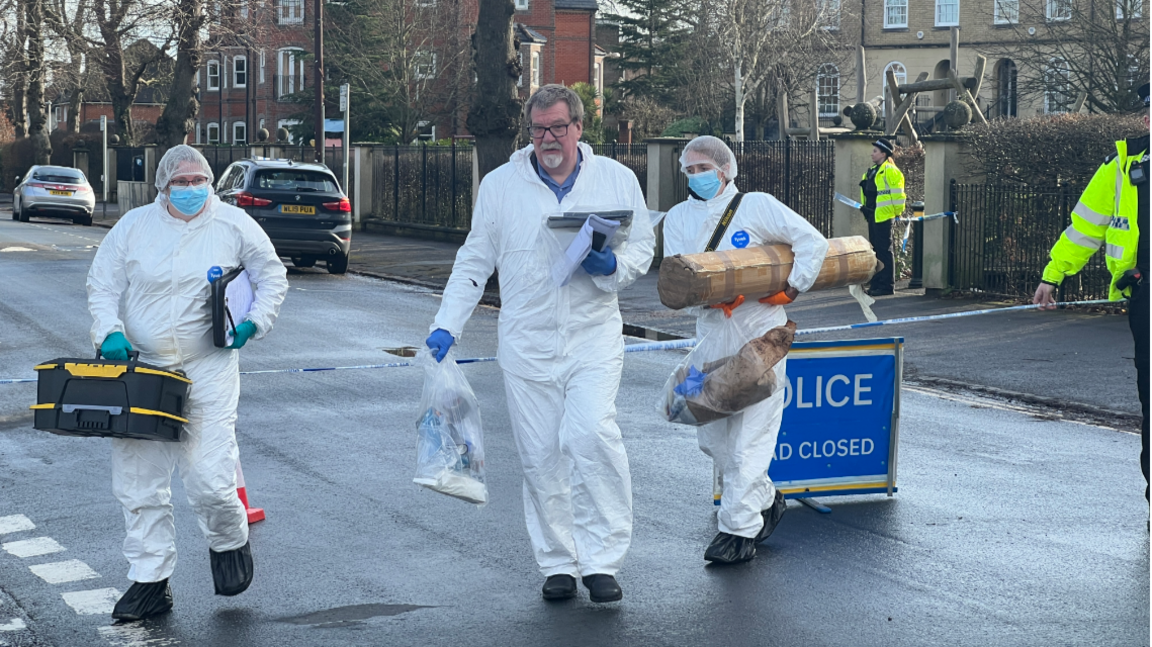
x=494, y=116
x=776, y=40
x=408, y=57
x=120, y=23
x=182, y=107
x=68, y=21
x=37, y=119
x=16, y=64
x=1068, y=47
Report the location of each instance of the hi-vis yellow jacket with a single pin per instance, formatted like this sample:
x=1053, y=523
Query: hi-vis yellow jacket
x=890, y=196
x=1105, y=217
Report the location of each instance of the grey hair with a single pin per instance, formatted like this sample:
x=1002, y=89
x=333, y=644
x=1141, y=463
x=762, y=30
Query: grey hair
x=551, y=94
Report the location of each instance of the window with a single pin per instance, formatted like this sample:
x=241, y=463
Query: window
x=213, y=75
x=239, y=133
x=243, y=8
x=1006, y=88
x=261, y=67
x=829, y=14
x=520, y=59
x=537, y=68
x=213, y=133
x=289, y=72
x=521, y=5
x=290, y=11
x=947, y=13
x=895, y=13
x=901, y=74
x=426, y=131
x=828, y=90
x=1005, y=12
x=598, y=78
x=61, y=114
x=1129, y=9
x=424, y=64
x=240, y=72
x=1059, y=9
x=1057, y=86
x=199, y=139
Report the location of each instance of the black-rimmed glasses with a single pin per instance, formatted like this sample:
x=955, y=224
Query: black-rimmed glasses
x=558, y=131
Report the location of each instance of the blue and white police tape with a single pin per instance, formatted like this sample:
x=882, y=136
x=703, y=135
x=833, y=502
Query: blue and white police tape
x=676, y=344
x=848, y=201
x=907, y=230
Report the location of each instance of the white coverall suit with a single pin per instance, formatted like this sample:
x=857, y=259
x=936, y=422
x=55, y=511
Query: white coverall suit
x=562, y=352
x=160, y=264
x=742, y=445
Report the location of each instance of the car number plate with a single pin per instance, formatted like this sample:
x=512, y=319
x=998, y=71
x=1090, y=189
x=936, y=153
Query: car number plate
x=54, y=192
x=296, y=208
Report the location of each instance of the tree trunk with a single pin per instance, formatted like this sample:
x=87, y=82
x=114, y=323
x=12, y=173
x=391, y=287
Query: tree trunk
x=179, y=117
x=19, y=59
x=37, y=119
x=75, y=103
x=494, y=117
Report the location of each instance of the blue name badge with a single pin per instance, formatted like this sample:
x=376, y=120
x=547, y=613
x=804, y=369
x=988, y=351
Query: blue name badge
x=740, y=239
x=214, y=273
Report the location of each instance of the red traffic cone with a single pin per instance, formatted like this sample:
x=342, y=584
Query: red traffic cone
x=254, y=514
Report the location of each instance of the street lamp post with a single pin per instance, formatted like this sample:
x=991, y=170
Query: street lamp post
x=319, y=81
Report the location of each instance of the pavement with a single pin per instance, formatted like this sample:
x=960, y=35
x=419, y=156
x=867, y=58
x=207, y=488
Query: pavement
x=1010, y=527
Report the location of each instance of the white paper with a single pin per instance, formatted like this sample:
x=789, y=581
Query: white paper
x=577, y=251
x=238, y=298
x=864, y=300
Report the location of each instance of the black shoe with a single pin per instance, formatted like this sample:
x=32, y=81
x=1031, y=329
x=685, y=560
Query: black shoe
x=144, y=600
x=730, y=549
x=559, y=587
x=771, y=517
x=602, y=588
x=232, y=570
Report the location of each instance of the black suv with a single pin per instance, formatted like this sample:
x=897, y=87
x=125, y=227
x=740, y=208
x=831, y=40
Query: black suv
x=299, y=205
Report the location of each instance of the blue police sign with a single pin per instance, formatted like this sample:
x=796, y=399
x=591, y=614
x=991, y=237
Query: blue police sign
x=841, y=413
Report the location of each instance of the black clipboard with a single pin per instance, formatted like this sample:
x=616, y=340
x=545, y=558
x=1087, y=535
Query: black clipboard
x=223, y=321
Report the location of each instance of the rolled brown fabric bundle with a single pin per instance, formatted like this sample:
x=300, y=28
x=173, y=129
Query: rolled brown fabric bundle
x=718, y=277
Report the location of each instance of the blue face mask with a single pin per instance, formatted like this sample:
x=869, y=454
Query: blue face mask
x=188, y=200
x=705, y=184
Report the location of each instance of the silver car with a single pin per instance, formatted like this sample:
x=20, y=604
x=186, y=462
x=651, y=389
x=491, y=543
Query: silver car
x=56, y=192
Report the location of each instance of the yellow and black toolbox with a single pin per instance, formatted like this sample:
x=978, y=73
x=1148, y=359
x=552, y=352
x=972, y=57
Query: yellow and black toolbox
x=116, y=399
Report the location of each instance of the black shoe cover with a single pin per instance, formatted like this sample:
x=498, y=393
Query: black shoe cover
x=730, y=549
x=232, y=570
x=772, y=517
x=559, y=587
x=602, y=588
x=144, y=600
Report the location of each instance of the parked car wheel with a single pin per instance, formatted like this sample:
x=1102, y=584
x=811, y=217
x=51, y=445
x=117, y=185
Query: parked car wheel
x=337, y=264
x=303, y=261
x=83, y=220
x=21, y=215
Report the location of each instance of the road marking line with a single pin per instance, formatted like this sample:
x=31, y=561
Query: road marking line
x=15, y=624
x=15, y=523
x=135, y=635
x=32, y=547
x=71, y=570
x=17, y=249
x=93, y=602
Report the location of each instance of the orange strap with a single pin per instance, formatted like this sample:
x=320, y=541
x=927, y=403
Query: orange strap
x=730, y=306
x=778, y=299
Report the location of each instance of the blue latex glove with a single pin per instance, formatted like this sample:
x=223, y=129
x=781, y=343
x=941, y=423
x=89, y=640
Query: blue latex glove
x=440, y=341
x=115, y=347
x=600, y=263
x=692, y=385
x=245, y=330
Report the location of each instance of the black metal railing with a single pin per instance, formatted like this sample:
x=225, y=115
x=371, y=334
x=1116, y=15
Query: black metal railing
x=798, y=173
x=634, y=156
x=426, y=186
x=219, y=157
x=1005, y=233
